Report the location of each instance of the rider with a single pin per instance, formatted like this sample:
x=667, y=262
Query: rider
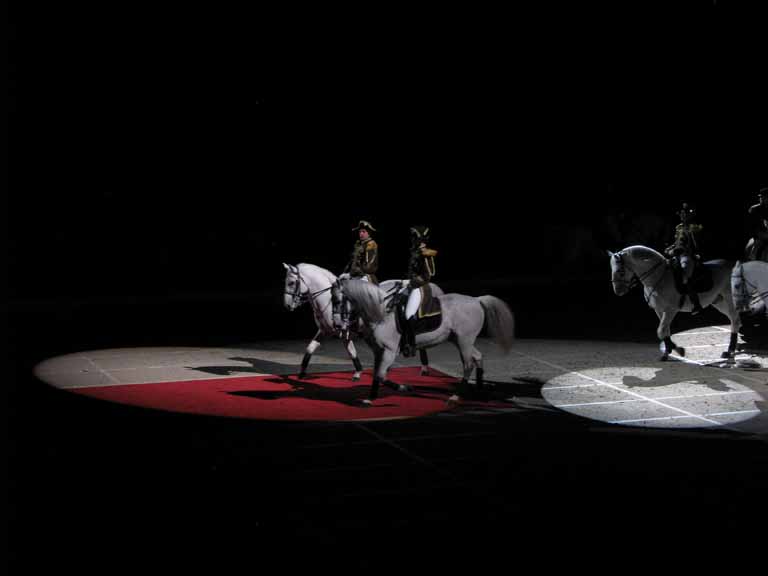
x=364, y=261
x=363, y=264
x=686, y=249
x=421, y=269
x=758, y=225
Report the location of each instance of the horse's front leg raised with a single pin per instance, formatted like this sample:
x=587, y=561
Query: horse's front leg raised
x=311, y=347
x=664, y=333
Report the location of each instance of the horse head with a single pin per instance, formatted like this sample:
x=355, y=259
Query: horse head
x=295, y=290
x=622, y=276
x=635, y=264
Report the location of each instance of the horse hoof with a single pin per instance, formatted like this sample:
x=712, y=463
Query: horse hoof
x=728, y=354
x=664, y=358
x=680, y=350
x=403, y=388
x=453, y=400
x=356, y=377
x=302, y=375
x=367, y=402
x=425, y=371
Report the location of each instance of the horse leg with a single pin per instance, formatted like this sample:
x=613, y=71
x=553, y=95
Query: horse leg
x=725, y=305
x=424, y=362
x=664, y=334
x=387, y=359
x=477, y=359
x=465, y=352
x=355, y=360
x=384, y=358
x=311, y=347
x=378, y=353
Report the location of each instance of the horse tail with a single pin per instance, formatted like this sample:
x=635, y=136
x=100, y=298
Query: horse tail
x=367, y=298
x=499, y=321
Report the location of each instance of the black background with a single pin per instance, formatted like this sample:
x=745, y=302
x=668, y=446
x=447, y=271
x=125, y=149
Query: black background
x=164, y=162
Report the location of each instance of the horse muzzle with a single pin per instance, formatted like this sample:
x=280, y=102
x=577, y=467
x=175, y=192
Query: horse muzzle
x=620, y=288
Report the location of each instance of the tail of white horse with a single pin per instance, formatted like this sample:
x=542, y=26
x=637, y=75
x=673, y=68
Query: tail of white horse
x=499, y=321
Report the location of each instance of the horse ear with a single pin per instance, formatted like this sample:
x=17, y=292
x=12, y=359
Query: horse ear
x=286, y=266
x=610, y=254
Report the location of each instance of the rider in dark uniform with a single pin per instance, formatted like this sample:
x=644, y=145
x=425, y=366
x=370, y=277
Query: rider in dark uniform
x=686, y=249
x=363, y=264
x=421, y=269
x=758, y=226
x=364, y=261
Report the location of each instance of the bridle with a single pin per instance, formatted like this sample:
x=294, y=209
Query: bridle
x=636, y=278
x=300, y=297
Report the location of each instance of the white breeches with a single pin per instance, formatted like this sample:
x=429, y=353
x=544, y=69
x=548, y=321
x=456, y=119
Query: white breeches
x=414, y=301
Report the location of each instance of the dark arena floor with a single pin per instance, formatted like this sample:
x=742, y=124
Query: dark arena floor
x=587, y=448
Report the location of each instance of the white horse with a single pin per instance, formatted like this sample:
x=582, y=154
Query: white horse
x=463, y=319
x=656, y=275
x=309, y=283
x=749, y=285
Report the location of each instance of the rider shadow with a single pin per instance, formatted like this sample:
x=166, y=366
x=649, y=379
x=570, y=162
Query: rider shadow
x=523, y=392
x=258, y=366
x=304, y=388
x=350, y=396
x=668, y=376
x=754, y=333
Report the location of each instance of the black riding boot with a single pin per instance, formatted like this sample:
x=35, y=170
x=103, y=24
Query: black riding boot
x=409, y=337
x=695, y=301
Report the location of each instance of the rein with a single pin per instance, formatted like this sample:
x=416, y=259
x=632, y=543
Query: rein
x=638, y=279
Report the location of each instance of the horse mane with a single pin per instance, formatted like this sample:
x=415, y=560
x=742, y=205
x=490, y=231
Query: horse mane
x=330, y=276
x=367, y=297
x=640, y=251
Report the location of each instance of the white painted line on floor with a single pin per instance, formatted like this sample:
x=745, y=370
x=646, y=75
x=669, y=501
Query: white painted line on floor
x=684, y=397
x=678, y=417
x=706, y=364
x=735, y=412
x=631, y=393
x=651, y=419
x=104, y=372
x=571, y=386
x=160, y=381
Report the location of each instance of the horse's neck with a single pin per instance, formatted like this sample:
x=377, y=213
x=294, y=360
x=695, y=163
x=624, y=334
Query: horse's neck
x=649, y=266
x=319, y=282
x=316, y=278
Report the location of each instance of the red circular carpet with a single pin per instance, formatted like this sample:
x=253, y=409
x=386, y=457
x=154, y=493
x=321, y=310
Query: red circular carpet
x=325, y=396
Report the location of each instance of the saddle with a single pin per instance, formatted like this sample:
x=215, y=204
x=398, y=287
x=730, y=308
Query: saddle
x=430, y=313
x=701, y=281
